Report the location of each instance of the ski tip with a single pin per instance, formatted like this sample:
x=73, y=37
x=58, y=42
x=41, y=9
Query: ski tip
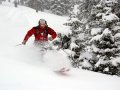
x=62, y=71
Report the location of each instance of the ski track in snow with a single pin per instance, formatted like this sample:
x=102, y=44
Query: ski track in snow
x=21, y=67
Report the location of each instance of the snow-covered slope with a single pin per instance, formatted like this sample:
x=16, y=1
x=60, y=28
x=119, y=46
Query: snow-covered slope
x=21, y=67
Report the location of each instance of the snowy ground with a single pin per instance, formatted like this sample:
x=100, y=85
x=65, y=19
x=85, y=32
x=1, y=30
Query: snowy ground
x=21, y=67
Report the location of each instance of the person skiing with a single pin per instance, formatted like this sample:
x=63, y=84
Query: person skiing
x=40, y=33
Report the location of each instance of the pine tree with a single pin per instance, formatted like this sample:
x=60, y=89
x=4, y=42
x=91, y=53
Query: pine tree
x=85, y=7
x=74, y=42
x=22, y=2
x=77, y=40
x=104, y=26
x=47, y=4
x=60, y=7
x=36, y=4
x=83, y=57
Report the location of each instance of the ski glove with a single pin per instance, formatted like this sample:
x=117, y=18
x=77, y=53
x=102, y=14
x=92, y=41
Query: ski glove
x=50, y=38
x=24, y=42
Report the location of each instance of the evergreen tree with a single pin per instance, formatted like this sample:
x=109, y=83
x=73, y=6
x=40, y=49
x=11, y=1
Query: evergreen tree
x=60, y=7
x=103, y=35
x=36, y=4
x=85, y=7
x=74, y=42
x=47, y=4
x=22, y=2
x=104, y=26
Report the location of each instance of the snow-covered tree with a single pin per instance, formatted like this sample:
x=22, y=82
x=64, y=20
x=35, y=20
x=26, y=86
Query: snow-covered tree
x=74, y=42
x=60, y=7
x=36, y=4
x=85, y=7
x=104, y=26
x=22, y=2
x=77, y=40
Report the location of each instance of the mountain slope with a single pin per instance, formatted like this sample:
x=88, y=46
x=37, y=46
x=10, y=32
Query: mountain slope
x=21, y=67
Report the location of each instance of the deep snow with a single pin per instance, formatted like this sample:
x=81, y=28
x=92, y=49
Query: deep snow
x=21, y=67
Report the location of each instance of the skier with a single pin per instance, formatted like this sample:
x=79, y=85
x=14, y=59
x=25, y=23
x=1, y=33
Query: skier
x=40, y=33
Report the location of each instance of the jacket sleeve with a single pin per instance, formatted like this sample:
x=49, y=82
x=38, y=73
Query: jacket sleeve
x=29, y=34
x=52, y=33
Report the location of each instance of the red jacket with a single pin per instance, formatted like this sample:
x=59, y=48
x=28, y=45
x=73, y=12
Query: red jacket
x=41, y=35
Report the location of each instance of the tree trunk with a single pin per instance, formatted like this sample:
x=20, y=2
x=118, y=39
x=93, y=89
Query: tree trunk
x=15, y=3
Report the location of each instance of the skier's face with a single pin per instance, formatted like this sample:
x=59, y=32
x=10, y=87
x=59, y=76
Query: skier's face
x=43, y=25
